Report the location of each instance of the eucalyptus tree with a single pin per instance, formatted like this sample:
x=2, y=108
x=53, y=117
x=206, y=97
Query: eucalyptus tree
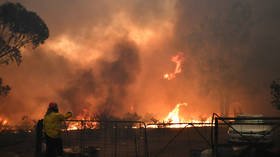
x=18, y=28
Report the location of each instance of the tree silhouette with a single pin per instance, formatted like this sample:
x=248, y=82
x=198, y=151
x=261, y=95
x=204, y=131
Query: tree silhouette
x=18, y=28
x=275, y=93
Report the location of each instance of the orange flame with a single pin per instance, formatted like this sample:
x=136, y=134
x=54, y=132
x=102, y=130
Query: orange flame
x=3, y=124
x=173, y=118
x=3, y=121
x=178, y=60
x=85, y=115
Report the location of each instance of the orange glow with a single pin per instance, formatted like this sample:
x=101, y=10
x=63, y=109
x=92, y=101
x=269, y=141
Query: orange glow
x=178, y=60
x=85, y=115
x=3, y=121
x=141, y=36
x=172, y=120
x=3, y=124
x=73, y=126
x=174, y=117
x=72, y=50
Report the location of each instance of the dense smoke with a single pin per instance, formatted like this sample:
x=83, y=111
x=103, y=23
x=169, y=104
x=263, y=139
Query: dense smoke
x=104, y=87
x=234, y=48
x=107, y=55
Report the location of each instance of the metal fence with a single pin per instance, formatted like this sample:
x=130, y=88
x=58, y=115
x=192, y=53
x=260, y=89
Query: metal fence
x=106, y=138
x=137, y=139
x=186, y=141
x=250, y=143
x=130, y=138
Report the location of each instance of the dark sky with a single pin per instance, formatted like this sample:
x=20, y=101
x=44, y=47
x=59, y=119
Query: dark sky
x=111, y=55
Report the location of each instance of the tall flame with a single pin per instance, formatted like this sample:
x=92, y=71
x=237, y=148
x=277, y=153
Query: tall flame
x=173, y=116
x=178, y=60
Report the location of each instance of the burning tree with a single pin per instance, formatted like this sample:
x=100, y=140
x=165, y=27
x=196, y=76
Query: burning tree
x=275, y=93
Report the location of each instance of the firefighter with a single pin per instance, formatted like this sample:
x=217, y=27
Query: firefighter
x=52, y=125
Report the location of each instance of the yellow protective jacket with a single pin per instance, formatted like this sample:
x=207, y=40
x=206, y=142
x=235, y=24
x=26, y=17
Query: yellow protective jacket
x=52, y=123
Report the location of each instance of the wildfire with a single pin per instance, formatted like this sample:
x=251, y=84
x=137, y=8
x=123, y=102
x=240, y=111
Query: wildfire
x=173, y=116
x=3, y=123
x=174, y=120
x=76, y=125
x=178, y=60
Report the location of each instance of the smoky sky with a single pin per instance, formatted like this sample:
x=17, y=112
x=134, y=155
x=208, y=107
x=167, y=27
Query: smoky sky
x=235, y=43
x=111, y=55
x=108, y=81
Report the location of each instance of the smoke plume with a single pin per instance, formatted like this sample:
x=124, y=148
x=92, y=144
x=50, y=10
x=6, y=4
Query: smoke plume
x=107, y=55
